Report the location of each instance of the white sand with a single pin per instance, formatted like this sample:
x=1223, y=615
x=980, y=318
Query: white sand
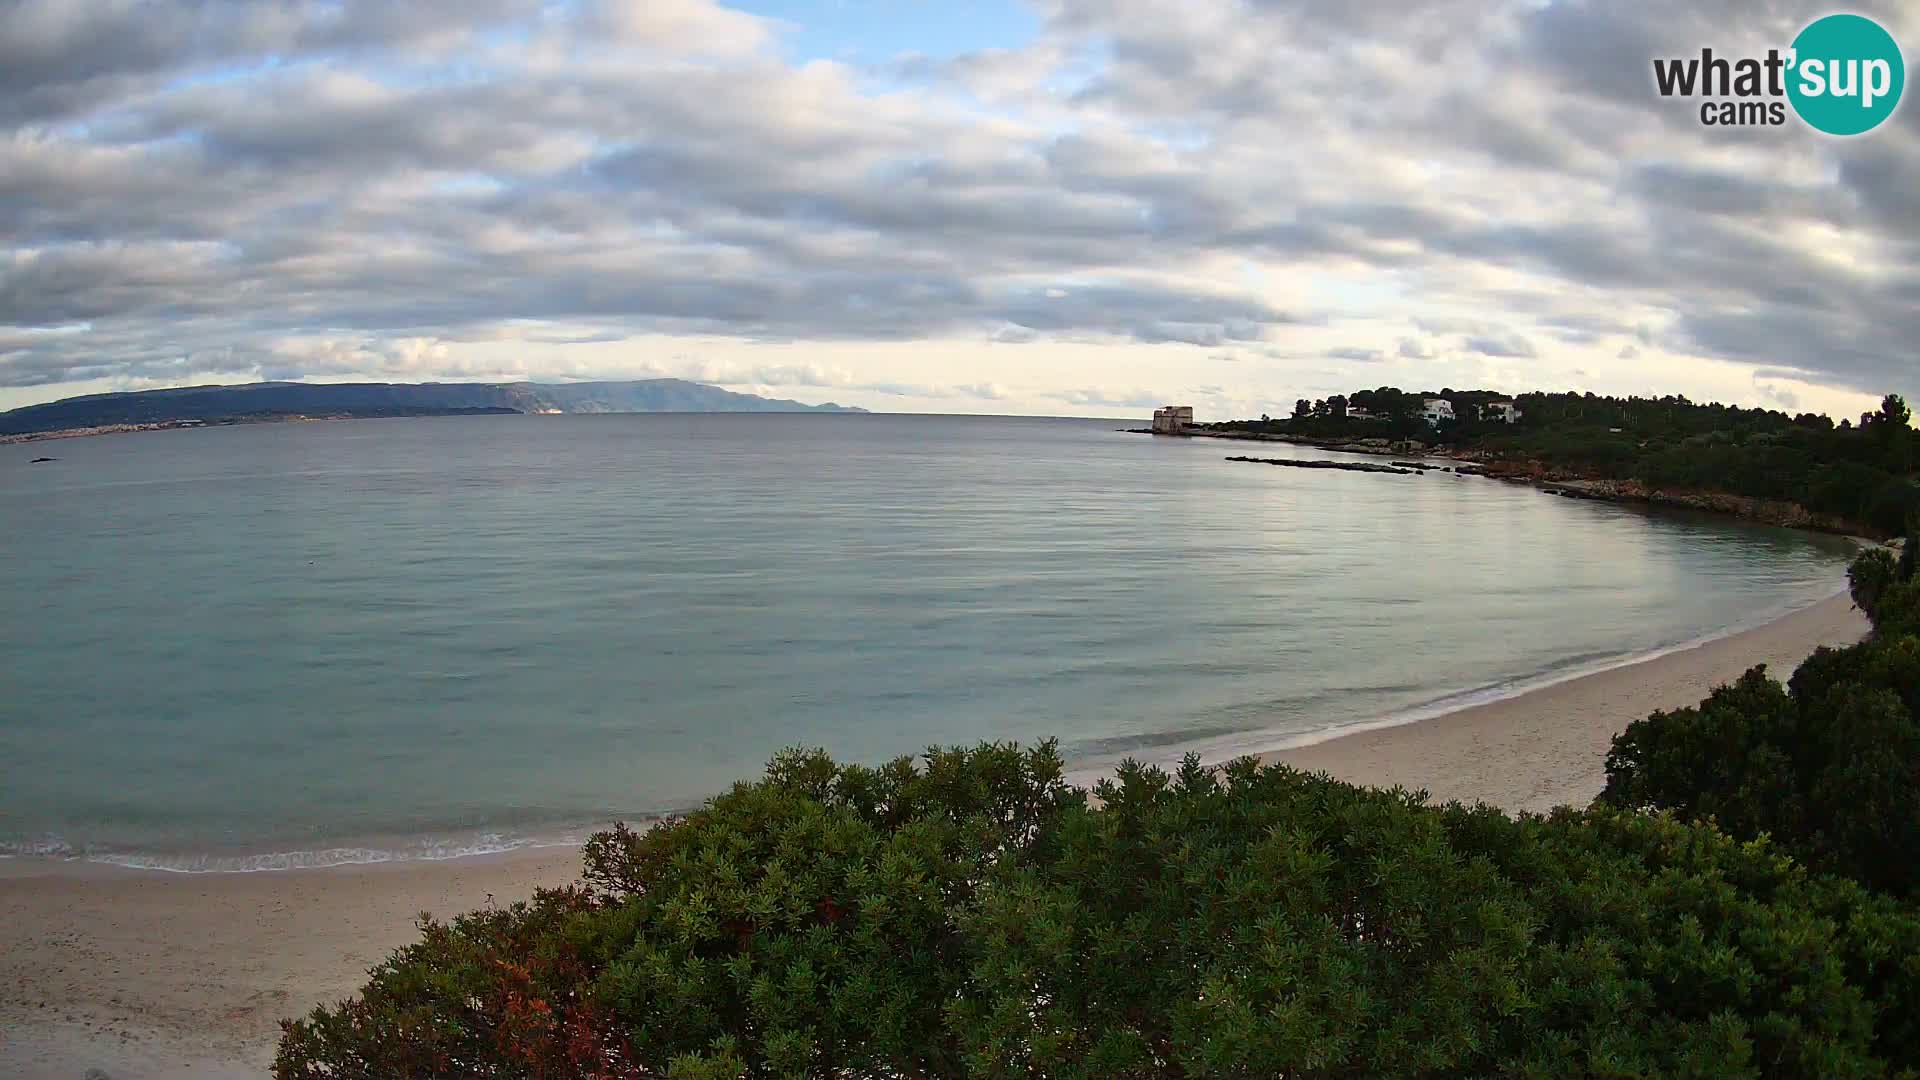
x=155, y=975
x=1548, y=747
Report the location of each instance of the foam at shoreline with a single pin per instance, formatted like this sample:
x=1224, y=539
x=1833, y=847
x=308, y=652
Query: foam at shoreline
x=1506, y=691
x=1260, y=742
x=486, y=844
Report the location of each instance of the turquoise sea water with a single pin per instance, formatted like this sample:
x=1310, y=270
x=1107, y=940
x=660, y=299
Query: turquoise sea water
x=307, y=643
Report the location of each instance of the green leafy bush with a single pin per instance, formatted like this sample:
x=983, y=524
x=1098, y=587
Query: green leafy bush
x=1828, y=766
x=1871, y=575
x=974, y=916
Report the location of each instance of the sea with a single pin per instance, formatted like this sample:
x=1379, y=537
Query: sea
x=311, y=643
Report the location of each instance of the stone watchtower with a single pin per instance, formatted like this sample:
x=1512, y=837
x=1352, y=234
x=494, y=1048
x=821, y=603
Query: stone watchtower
x=1172, y=420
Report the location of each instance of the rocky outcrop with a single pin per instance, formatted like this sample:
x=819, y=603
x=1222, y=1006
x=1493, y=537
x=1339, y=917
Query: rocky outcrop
x=1553, y=481
x=1375, y=446
x=1766, y=511
x=1345, y=466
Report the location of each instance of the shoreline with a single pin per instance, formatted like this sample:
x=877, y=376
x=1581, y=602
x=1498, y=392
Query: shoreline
x=1553, y=482
x=1483, y=697
x=1547, y=746
x=1266, y=745
x=145, y=973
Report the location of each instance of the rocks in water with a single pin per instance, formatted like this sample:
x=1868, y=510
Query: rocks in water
x=1348, y=466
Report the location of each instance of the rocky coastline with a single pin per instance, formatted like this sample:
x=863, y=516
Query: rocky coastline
x=1558, y=481
x=1348, y=466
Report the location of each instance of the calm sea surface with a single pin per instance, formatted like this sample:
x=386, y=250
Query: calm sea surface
x=309, y=643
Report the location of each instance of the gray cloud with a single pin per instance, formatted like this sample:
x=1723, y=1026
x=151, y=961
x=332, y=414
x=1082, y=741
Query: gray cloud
x=61, y=57
x=1501, y=345
x=189, y=186
x=1781, y=396
x=1364, y=356
x=1121, y=399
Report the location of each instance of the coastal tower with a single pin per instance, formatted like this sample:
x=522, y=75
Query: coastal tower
x=1172, y=419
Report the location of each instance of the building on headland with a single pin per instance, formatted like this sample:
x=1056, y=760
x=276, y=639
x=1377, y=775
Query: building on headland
x=1503, y=411
x=1172, y=420
x=1436, y=409
x=1362, y=414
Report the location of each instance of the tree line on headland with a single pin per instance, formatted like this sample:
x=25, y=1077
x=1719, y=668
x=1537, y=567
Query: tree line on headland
x=1741, y=901
x=1860, y=473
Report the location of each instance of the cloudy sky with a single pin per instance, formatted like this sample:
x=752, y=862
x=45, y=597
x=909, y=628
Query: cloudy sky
x=1080, y=207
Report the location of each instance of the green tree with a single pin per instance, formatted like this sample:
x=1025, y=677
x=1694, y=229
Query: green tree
x=973, y=916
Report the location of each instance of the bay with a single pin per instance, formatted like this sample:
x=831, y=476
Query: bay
x=300, y=643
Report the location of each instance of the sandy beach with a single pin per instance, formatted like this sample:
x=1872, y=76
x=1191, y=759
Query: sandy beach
x=146, y=974
x=1548, y=747
x=157, y=975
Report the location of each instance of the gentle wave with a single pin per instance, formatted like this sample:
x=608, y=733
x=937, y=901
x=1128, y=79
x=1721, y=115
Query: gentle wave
x=1268, y=741
x=199, y=863
x=1082, y=772
x=1564, y=674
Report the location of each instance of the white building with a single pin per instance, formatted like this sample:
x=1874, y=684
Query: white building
x=1505, y=411
x=1172, y=420
x=1436, y=409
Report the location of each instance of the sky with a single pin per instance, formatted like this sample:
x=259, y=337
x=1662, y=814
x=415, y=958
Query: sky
x=1057, y=207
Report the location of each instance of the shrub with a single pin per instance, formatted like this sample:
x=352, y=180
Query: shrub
x=1828, y=767
x=804, y=925
x=1871, y=574
x=974, y=916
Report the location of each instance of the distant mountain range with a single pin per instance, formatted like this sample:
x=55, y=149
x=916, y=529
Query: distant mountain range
x=276, y=400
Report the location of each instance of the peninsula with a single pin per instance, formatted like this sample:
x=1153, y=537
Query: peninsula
x=1804, y=470
x=191, y=406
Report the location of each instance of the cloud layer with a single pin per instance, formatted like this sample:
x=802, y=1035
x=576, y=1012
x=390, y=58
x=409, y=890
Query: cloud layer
x=1236, y=200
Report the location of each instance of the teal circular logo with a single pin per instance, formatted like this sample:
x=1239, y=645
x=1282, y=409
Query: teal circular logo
x=1847, y=74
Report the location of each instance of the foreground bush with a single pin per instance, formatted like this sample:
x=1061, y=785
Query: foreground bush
x=977, y=917
x=1828, y=767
